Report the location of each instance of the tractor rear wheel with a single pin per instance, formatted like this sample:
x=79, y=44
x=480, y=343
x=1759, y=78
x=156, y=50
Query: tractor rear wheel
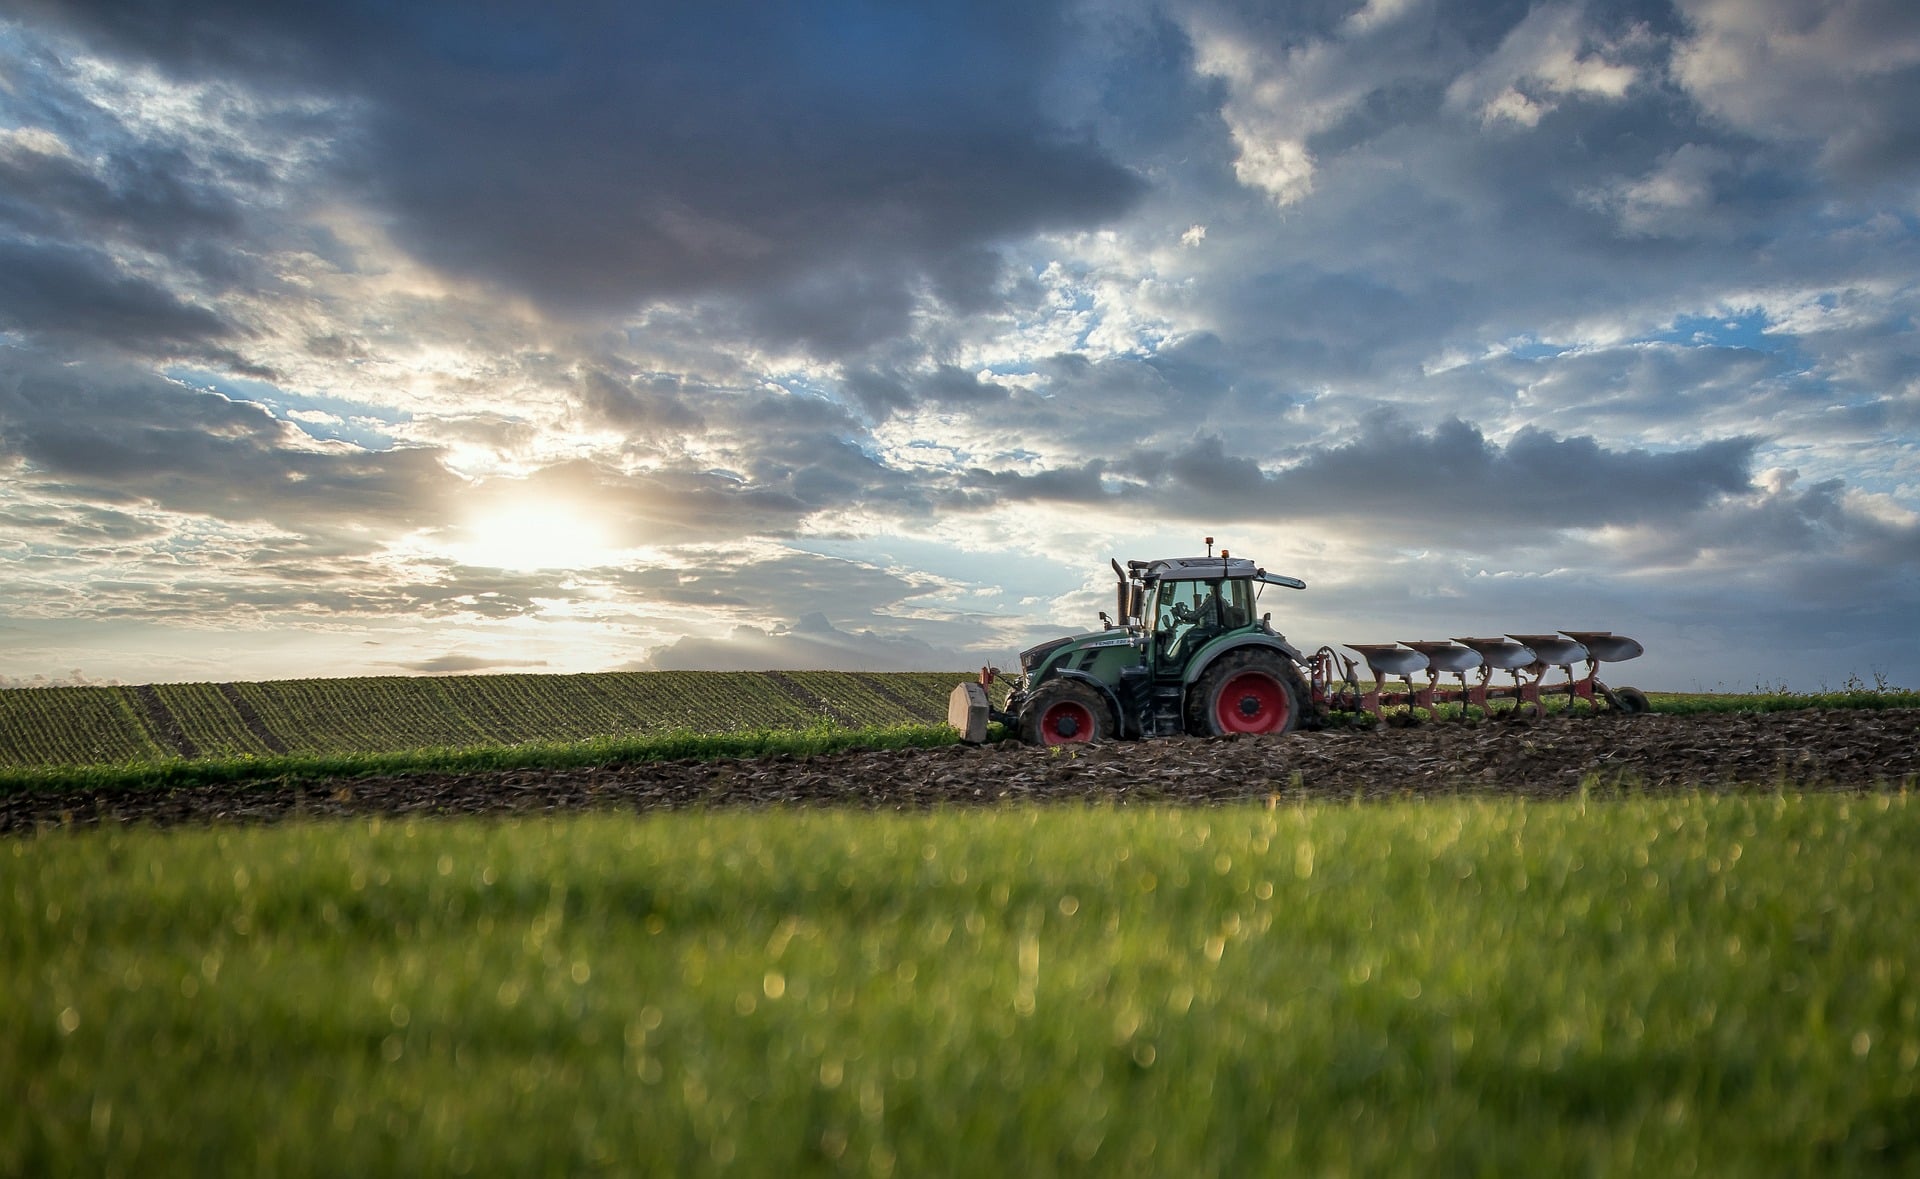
x=1065, y=712
x=1245, y=692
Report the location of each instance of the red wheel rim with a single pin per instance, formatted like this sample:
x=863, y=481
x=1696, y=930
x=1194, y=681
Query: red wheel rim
x=1066, y=722
x=1251, y=702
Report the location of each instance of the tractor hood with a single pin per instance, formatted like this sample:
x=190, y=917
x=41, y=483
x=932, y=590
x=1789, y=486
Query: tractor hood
x=1034, y=659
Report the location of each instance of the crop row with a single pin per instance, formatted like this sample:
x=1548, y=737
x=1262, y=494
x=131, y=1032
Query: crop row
x=82, y=726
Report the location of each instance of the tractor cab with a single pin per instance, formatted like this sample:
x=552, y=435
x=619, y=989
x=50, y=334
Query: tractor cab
x=1194, y=605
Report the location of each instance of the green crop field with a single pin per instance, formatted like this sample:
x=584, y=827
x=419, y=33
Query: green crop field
x=331, y=717
x=1715, y=985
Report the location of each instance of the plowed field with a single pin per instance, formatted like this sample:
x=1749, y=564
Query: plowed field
x=1815, y=749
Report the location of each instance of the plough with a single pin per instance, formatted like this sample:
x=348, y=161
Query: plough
x=1528, y=659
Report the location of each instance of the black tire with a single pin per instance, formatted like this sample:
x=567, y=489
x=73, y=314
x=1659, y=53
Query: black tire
x=1065, y=712
x=1632, y=701
x=1246, y=692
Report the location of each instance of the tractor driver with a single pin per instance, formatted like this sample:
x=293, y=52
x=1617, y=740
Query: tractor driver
x=1204, y=613
x=1178, y=619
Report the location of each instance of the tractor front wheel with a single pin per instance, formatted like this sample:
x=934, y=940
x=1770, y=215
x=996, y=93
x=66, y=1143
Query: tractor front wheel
x=1246, y=692
x=1063, y=712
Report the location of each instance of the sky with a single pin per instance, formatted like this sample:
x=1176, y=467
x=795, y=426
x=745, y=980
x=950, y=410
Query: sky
x=363, y=338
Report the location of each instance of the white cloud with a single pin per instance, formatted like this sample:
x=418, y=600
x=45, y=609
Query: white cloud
x=1548, y=56
x=1677, y=196
x=1843, y=75
x=1279, y=96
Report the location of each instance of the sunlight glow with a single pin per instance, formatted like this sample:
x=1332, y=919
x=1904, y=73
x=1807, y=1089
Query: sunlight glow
x=536, y=535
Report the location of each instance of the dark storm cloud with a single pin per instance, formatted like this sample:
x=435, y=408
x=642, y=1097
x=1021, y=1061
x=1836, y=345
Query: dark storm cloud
x=1454, y=475
x=1450, y=482
x=882, y=393
x=114, y=435
x=602, y=154
x=642, y=403
x=152, y=195
x=73, y=293
x=815, y=450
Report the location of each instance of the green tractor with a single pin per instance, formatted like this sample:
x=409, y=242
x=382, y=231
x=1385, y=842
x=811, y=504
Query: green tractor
x=1188, y=654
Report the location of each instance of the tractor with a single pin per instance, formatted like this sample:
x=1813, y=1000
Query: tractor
x=1188, y=653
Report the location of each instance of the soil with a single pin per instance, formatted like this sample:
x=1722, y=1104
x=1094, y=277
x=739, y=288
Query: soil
x=1805, y=750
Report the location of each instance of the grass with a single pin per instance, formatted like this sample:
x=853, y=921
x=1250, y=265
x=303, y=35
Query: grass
x=1721, y=984
x=1693, y=703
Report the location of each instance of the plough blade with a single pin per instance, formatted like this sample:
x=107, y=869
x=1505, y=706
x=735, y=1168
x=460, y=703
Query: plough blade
x=1526, y=658
x=1606, y=646
x=1502, y=654
x=1385, y=659
x=1445, y=655
x=1553, y=650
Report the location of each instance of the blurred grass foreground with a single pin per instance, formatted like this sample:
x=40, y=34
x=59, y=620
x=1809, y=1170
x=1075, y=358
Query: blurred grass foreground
x=1712, y=984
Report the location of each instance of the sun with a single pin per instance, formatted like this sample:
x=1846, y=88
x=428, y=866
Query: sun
x=536, y=534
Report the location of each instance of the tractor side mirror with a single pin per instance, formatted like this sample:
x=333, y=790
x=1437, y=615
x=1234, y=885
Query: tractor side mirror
x=1105, y=621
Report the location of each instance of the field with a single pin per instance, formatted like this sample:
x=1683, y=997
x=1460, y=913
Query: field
x=174, y=736
x=385, y=714
x=1654, y=986
x=1663, y=944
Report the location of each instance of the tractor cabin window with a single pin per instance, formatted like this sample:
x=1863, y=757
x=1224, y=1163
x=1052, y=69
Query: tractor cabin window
x=1188, y=612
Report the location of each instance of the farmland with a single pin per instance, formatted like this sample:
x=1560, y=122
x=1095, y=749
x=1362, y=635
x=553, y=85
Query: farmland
x=1849, y=749
x=1657, y=944
x=324, y=717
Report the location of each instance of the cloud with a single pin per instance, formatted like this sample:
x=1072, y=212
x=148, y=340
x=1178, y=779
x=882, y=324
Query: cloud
x=456, y=664
x=945, y=386
x=734, y=315
x=1680, y=195
x=810, y=643
x=1549, y=57
x=600, y=157
x=1843, y=76
x=123, y=436
x=639, y=403
x=1399, y=483
x=151, y=195
x=75, y=678
x=74, y=293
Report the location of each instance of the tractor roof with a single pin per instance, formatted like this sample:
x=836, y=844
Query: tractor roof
x=1208, y=569
x=1198, y=568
